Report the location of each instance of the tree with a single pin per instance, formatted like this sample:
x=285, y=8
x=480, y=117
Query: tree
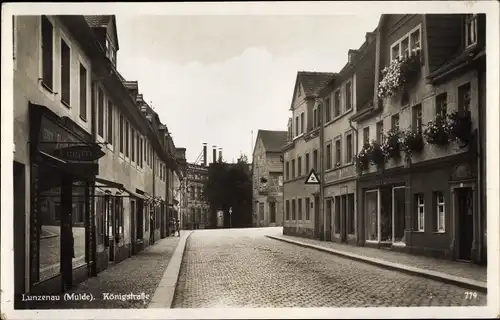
x=229, y=185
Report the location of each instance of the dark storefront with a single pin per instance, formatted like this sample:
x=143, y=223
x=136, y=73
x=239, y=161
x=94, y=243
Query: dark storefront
x=428, y=208
x=63, y=167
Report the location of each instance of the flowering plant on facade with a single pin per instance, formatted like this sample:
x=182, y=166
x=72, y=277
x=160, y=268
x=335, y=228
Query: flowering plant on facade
x=460, y=123
x=397, y=74
x=377, y=155
x=362, y=159
x=392, y=144
x=438, y=131
x=412, y=142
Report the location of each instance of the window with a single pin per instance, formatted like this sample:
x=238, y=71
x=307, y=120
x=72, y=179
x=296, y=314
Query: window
x=328, y=156
x=441, y=105
x=328, y=108
x=287, y=170
x=319, y=115
x=297, y=126
x=65, y=74
x=307, y=164
x=315, y=160
x=293, y=210
x=121, y=133
x=395, y=121
x=308, y=208
x=380, y=131
x=141, y=153
x=127, y=134
x=100, y=113
x=287, y=210
x=132, y=144
x=417, y=118
x=83, y=93
x=315, y=118
x=440, y=211
x=401, y=48
x=338, y=153
x=47, y=53
x=350, y=214
x=349, y=148
x=420, y=203
x=302, y=122
x=110, y=122
x=366, y=135
x=293, y=168
x=470, y=30
x=299, y=166
x=337, y=104
x=299, y=213
x=464, y=97
x=138, y=150
x=348, y=96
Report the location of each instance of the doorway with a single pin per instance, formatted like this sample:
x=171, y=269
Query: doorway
x=398, y=215
x=317, y=232
x=465, y=222
x=328, y=220
x=272, y=212
x=19, y=194
x=132, y=226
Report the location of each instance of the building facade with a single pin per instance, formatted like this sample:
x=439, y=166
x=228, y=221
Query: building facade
x=267, y=172
x=425, y=198
x=198, y=209
x=85, y=157
x=302, y=153
x=416, y=123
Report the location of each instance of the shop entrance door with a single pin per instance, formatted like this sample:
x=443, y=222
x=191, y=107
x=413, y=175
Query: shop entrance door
x=464, y=214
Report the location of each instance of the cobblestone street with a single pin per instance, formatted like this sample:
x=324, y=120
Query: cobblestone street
x=243, y=268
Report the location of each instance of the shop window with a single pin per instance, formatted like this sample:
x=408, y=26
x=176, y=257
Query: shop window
x=287, y=210
x=371, y=206
x=337, y=213
x=351, y=228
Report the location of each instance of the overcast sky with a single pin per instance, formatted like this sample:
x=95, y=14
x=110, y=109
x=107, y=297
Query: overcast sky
x=214, y=79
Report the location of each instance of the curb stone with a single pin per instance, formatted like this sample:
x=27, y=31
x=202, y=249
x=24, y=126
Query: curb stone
x=434, y=275
x=163, y=296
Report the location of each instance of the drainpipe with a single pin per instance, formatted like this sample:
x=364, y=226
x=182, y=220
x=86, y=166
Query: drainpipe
x=322, y=172
x=357, y=231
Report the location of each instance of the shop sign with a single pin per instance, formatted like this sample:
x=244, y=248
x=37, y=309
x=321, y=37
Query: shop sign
x=80, y=153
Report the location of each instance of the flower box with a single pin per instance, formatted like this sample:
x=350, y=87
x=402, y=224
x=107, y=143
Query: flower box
x=460, y=124
x=413, y=142
x=392, y=144
x=399, y=73
x=362, y=159
x=437, y=132
x=377, y=155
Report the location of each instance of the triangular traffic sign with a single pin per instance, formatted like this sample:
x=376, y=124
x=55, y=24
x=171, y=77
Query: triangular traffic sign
x=312, y=178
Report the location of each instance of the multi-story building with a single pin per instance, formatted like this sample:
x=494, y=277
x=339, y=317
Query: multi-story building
x=301, y=154
x=197, y=206
x=85, y=154
x=351, y=87
x=267, y=172
x=430, y=89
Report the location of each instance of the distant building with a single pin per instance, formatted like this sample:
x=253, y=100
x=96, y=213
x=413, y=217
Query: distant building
x=267, y=173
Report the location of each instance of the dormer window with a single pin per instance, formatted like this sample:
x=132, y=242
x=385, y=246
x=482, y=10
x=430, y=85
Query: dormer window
x=110, y=51
x=470, y=30
x=407, y=45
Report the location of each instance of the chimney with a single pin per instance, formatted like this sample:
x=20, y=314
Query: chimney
x=220, y=153
x=351, y=55
x=204, y=154
x=214, y=154
x=369, y=37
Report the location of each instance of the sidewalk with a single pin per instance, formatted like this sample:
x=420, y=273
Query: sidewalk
x=138, y=275
x=461, y=274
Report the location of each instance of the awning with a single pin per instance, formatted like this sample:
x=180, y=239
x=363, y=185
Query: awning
x=110, y=184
